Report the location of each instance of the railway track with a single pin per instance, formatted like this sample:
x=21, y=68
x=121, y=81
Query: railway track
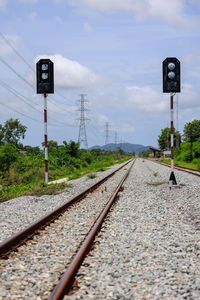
x=20, y=237
x=180, y=168
x=57, y=240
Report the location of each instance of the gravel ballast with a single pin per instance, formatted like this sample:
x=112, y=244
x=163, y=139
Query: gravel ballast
x=32, y=271
x=149, y=246
x=20, y=212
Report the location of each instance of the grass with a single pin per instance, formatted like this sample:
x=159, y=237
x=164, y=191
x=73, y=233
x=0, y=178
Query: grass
x=93, y=167
x=39, y=188
x=155, y=174
x=101, y=169
x=14, y=191
x=91, y=176
x=181, y=163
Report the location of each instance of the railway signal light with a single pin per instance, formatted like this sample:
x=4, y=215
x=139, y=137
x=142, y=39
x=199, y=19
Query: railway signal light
x=45, y=76
x=171, y=75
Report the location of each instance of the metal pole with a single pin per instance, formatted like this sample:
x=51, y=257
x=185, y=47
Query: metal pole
x=45, y=138
x=172, y=179
x=172, y=131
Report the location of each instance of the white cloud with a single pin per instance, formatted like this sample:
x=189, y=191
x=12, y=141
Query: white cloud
x=4, y=47
x=3, y=4
x=189, y=98
x=126, y=128
x=28, y=1
x=145, y=99
x=87, y=28
x=191, y=64
x=171, y=11
x=58, y=19
x=69, y=73
x=33, y=15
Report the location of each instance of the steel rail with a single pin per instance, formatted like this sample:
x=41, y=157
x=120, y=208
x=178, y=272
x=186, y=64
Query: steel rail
x=20, y=237
x=67, y=279
x=180, y=168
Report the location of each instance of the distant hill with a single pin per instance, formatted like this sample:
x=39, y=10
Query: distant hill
x=127, y=147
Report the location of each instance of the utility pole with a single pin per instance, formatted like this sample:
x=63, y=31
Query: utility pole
x=177, y=131
x=107, y=133
x=82, y=136
x=116, y=138
x=172, y=176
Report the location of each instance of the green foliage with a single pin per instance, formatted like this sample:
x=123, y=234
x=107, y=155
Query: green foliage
x=1, y=135
x=144, y=153
x=185, y=153
x=155, y=174
x=12, y=132
x=52, y=145
x=31, y=150
x=91, y=176
x=8, y=155
x=196, y=148
x=9, y=192
x=26, y=168
x=192, y=131
x=164, y=139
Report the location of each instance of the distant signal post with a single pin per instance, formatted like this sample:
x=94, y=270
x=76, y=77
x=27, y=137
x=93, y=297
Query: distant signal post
x=171, y=84
x=45, y=85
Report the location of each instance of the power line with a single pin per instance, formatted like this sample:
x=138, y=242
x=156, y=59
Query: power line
x=16, y=73
x=16, y=52
x=18, y=95
x=12, y=109
x=22, y=98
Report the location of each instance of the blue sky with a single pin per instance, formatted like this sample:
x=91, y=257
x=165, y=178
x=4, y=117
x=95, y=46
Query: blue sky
x=111, y=50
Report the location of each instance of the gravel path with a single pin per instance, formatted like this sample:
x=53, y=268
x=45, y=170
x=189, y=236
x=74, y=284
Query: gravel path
x=31, y=272
x=149, y=246
x=20, y=212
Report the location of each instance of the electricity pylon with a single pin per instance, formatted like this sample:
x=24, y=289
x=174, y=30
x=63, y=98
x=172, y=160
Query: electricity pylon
x=82, y=136
x=107, y=133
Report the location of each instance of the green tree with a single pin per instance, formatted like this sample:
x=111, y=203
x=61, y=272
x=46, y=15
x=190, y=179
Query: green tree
x=72, y=148
x=13, y=131
x=1, y=134
x=191, y=133
x=31, y=150
x=164, y=139
x=144, y=153
x=52, y=145
x=8, y=154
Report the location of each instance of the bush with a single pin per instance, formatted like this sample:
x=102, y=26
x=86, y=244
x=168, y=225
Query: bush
x=185, y=154
x=196, y=149
x=8, y=155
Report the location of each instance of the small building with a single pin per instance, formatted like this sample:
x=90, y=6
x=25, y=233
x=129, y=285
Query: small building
x=156, y=152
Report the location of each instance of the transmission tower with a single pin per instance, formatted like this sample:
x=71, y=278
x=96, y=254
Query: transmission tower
x=115, y=138
x=82, y=137
x=107, y=133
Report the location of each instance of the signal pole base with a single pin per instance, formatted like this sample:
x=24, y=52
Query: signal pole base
x=172, y=179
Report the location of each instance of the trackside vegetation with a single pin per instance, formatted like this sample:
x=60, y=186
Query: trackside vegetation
x=22, y=167
x=187, y=146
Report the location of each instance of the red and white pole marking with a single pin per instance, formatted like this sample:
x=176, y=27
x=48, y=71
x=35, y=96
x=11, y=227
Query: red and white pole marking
x=172, y=132
x=172, y=179
x=45, y=138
